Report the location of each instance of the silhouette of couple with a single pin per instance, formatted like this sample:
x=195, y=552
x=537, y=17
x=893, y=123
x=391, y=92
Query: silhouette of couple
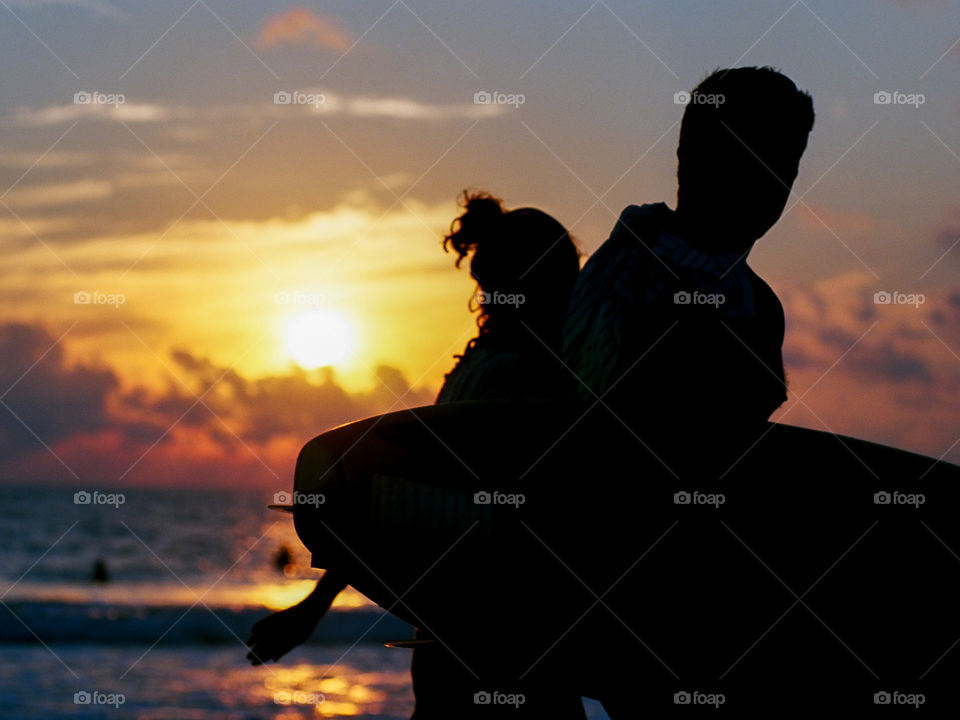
x=665, y=323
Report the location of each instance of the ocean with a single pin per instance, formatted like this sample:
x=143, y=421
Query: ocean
x=189, y=571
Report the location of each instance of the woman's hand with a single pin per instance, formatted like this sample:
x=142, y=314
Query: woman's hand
x=279, y=633
x=275, y=635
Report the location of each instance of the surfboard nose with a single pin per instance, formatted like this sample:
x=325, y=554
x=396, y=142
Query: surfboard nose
x=316, y=464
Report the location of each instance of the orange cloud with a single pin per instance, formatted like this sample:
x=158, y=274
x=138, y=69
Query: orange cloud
x=880, y=372
x=300, y=26
x=78, y=424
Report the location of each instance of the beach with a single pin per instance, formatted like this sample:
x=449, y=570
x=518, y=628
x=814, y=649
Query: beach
x=189, y=572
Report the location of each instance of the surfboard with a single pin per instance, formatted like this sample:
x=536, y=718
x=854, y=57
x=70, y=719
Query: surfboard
x=765, y=565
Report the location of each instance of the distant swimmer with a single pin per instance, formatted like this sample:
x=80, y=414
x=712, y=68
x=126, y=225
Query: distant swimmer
x=100, y=573
x=282, y=558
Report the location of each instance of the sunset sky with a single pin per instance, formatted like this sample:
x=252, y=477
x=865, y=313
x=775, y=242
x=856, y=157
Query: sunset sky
x=200, y=217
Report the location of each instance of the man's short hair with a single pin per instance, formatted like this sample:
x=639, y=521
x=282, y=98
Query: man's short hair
x=743, y=112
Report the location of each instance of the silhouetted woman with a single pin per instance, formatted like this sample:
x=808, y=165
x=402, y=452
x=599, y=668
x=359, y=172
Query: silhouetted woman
x=525, y=265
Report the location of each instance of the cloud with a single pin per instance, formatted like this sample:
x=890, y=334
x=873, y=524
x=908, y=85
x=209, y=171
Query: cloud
x=54, y=159
x=949, y=239
x=56, y=194
x=887, y=361
x=888, y=378
x=302, y=27
x=290, y=404
x=68, y=113
x=97, y=7
x=11, y=227
x=879, y=372
x=77, y=419
x=945, y=317
x=46, y=398
x=332, y=104
x=400, y=108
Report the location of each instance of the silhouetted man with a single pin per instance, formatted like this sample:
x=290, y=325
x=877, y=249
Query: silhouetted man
x=667, y=317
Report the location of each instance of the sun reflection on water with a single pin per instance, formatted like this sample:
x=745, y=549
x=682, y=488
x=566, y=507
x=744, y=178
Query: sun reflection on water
x=350, y=692
x=271, y=595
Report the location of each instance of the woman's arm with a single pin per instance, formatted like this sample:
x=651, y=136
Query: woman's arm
x=277, y=634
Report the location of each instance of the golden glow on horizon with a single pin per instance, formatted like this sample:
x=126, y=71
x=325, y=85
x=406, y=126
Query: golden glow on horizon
x=271, y=595
x=320, y=338
x=405, y=302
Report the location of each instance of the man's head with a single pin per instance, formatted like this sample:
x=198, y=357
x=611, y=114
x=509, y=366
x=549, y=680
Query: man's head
x=741, y=139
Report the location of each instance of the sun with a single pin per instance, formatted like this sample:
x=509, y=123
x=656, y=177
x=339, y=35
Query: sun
x=319, y=338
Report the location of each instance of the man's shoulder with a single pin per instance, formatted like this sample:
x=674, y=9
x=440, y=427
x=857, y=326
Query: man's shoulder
x=631, y=233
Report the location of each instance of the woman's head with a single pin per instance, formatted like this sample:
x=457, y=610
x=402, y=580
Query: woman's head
x=524, y=262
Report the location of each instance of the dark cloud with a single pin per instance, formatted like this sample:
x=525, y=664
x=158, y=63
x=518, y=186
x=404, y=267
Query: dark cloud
x=888, y=362
x=837, y=338
x=291, y=404
x=247, y=430
x=46, y=399
x=948, y=237
x=795, y=357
